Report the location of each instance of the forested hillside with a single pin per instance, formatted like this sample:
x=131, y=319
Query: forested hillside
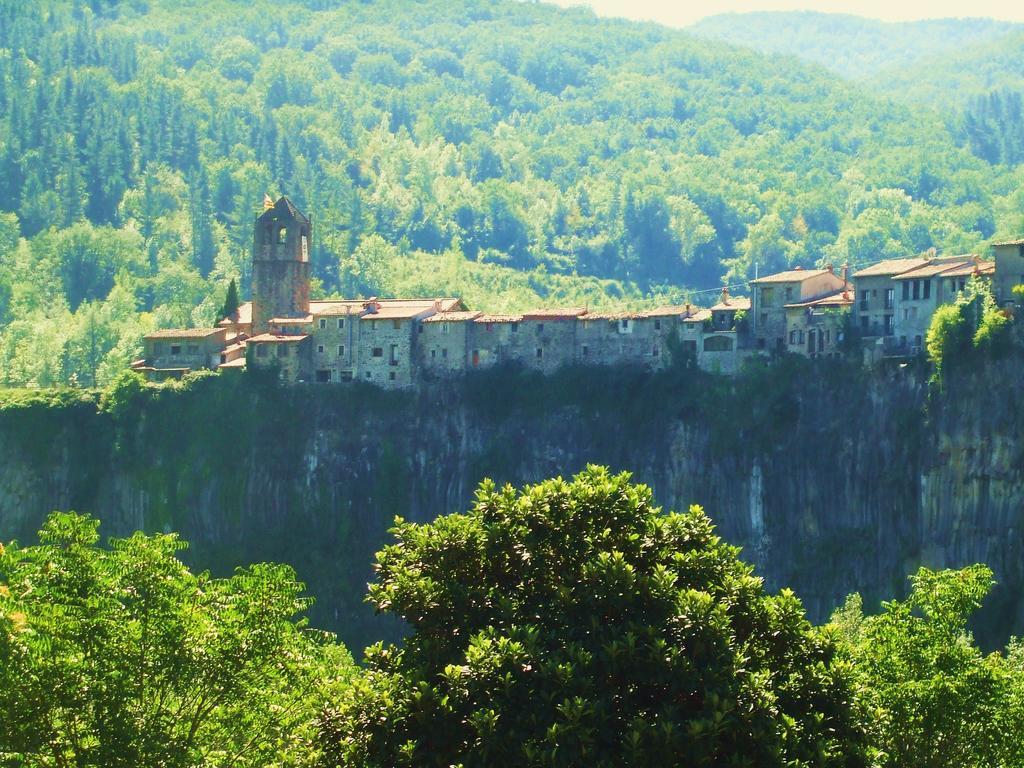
x=516, y=154
x=851, y=46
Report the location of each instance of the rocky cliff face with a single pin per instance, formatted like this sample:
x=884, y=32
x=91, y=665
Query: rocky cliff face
x=831, y=479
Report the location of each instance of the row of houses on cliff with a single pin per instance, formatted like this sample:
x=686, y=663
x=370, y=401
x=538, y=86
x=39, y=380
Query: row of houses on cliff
x=395, y=343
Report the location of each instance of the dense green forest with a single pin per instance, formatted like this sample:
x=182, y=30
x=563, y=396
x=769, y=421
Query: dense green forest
x=513, y=153
x=566, y=623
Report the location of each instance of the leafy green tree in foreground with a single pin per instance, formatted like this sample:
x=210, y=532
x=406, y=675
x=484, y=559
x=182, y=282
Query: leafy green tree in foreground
x=572, y=623
x=935, y=700
x=122, y=657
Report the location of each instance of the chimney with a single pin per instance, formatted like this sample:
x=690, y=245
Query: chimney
x=725, y=294
x=687, y=310
x=846, y=272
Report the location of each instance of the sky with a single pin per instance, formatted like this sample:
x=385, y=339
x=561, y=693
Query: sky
x=680, y=13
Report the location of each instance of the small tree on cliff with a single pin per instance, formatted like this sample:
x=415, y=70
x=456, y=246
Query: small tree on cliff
x=572, y=624
x=121, y=657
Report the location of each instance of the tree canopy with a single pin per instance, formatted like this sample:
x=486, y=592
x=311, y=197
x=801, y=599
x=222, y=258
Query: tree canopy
x=122, y=657
x=572, y=623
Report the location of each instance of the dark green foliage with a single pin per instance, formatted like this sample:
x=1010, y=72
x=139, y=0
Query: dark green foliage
x=231, y=300
x=122, y=657
x=572, y=623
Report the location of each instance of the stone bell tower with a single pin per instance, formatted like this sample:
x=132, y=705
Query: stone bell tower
x=280, y=264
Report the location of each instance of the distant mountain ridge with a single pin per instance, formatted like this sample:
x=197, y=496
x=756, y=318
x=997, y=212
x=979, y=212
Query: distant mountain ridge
x=854, y=47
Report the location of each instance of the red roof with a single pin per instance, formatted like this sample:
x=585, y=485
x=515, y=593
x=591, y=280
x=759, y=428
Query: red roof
x=242, y=316
x=566, y=313
x=271, y=338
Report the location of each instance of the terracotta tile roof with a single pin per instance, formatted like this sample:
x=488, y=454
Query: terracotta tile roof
x=183, y=333
x=243, y=316
x=890, y=267
x=335, y=308
x=733, y=303
x=270, y=338
x=672, y=310
x=843, y=298
x=564, y=313
x=797, y=275
x=984, y=266
x=937, y=267
x=1019, y=241
x=232, y=348
x=306, y=320
x=455, y=316
x=614, y=316
x=238, y=362
x=403, y=309
x=498, y=319
x=283, y=207
x=699, y=316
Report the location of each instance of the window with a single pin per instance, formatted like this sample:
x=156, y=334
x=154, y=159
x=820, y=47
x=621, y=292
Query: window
x=378, y=351
x=282, y=350
x=323, y=377
x=373, y=325
x=927, y=288
x=175, y=349
x=346, y=375
x=490, y=327
x=792, y=337
x=655, y=351
x=789, y=292
x=341, y=323
x=305, y=248
x=540, y=353
x=323, y=323
x=341, y=350
x=445, y=329
x=515, y=327
x=419, y=328
x=320, y=348
x=624, y=325
x=393, y=357
x=767, y=295
x=396, y=324
x=369, y=375
x=917, y=289
x=586, y=350
x=906, y=290
x=444, y=352
x=890, y=298
x=657, y=324
x=282, y=235
x=261, y=350
x=391, y=376
x=800, y=337
x=540, y=327
x=888, y=325
x=433, y=354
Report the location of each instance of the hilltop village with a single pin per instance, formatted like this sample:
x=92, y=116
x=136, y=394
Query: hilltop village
x=395, y=343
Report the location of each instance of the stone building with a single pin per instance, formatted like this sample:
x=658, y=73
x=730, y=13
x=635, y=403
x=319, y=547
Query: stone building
x=280, y=264
x=772, y=293
x=875, y=309
x=494, y=339
x=921, y=290
x=816, y=327
x=1009, y=270
x=546, y=338
x=173, y=352
x=446, y=343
